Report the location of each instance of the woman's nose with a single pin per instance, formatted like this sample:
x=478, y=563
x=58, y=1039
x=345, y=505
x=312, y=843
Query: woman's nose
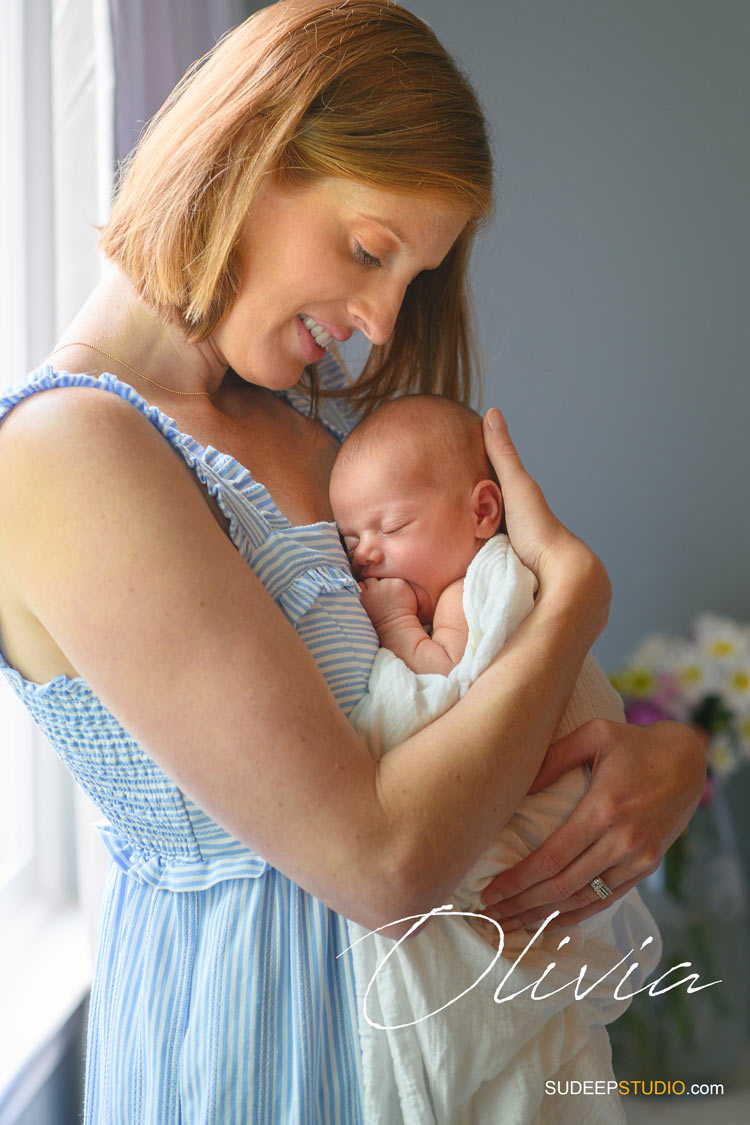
x=374, y=312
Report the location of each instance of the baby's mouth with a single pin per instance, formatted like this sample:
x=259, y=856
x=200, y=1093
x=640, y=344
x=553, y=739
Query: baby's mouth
x=367, y=572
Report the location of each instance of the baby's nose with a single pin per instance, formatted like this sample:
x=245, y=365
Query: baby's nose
x=367, y=551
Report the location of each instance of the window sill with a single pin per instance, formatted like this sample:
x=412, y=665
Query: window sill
x=45, y=976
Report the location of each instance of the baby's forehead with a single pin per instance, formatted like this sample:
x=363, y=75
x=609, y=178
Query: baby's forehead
x=396, y=446
x=375, y=450
x=406, y=462
x=425, y=437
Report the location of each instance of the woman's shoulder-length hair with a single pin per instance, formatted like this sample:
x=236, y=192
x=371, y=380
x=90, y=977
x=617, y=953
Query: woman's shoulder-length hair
x=305, y=89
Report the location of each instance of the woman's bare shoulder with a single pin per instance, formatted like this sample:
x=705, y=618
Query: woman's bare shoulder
x=69, y=440
x=95, y=475
x=49, y=418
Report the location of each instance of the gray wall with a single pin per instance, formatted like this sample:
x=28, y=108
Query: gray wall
x=612, y=289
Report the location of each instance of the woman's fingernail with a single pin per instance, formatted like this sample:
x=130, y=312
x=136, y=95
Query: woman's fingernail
x=494, y=418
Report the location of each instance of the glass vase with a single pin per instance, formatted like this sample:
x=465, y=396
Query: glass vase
x=698, y=898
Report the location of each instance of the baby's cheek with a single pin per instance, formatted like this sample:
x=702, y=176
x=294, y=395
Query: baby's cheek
x=409, y=559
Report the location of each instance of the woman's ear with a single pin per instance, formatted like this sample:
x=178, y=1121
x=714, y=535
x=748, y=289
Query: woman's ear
x=487, y=508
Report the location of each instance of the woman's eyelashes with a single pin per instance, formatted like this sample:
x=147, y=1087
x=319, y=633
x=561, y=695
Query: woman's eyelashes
x=364, y=257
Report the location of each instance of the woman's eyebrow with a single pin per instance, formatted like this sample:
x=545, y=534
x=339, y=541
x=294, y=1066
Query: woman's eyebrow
x=386, y=226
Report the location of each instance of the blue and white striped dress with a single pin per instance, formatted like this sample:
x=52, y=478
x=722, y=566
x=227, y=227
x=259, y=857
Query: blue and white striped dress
x=219, y=997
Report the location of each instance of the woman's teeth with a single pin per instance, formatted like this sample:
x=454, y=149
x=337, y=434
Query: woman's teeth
x=321, y=337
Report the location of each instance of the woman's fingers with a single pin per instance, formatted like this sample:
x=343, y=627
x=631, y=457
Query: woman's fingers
x=532, y=527
x=571, y=888
x=561, y=870
x=542, y=543
x=506, y=461
x=499, y=444
x=620, y=828
x=569, y=912
x=573, y=749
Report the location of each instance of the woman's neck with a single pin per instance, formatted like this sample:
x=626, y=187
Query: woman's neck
x=116, y=320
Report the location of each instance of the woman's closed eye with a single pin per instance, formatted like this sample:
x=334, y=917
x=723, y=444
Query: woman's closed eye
x=364, y=257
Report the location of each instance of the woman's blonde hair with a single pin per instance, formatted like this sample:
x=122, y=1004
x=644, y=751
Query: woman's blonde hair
x=306, y=89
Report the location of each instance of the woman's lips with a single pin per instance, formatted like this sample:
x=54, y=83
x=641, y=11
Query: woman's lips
x=320, y=335
x=339, y=334
x=310, y=350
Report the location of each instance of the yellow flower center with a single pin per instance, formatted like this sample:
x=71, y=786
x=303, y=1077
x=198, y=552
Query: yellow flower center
x=741, y=680
x=721, y=648
x=691, y=674
x=641, y=682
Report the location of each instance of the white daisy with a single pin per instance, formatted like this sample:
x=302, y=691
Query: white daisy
x=719, y=638
x=696, y=674
x=721, y=756
x=735, y=685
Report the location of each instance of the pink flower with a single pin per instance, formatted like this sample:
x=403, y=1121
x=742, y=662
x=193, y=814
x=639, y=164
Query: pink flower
x=644, y=711
x=708, y=792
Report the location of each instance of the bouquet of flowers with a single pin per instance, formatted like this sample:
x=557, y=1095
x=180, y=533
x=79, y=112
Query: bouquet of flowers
x=703, y=679
x=698, y=895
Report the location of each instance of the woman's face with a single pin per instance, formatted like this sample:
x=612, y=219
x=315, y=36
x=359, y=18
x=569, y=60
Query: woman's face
x=322, y=261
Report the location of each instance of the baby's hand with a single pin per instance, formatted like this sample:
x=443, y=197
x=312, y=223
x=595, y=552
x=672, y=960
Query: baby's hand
x=386, y=600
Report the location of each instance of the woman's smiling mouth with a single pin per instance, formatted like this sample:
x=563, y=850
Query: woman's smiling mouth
x=320, y=335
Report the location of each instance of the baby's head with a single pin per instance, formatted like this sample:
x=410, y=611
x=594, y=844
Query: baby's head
x=414, y=494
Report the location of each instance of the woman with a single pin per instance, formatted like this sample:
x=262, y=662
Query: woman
x=293, y=190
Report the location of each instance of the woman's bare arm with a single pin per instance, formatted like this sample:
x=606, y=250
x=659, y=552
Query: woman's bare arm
x=109, y=543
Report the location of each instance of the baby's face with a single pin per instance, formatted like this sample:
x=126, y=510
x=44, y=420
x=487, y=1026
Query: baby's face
x=396, y=523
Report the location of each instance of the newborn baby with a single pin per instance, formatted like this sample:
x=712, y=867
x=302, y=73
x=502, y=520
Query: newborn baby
x=415, y=498
x=418, y=508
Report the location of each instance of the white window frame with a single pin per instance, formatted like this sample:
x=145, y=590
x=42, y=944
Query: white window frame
x=45, y=941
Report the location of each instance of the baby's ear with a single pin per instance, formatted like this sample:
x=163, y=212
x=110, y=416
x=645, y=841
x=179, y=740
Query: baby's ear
x=487, y=508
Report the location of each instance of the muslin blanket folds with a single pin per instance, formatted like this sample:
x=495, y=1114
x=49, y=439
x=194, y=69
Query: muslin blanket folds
x=482, y=1060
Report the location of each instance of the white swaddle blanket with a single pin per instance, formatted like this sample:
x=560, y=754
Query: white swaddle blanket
x=478, y=1061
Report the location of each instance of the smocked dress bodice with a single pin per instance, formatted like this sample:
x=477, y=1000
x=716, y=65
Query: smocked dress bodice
x=255, y=961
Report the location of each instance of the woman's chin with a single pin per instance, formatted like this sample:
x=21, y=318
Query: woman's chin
x=280, y=379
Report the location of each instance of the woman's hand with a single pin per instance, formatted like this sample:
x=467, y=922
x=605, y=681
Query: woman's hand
x=645, y=785
x=563, y=564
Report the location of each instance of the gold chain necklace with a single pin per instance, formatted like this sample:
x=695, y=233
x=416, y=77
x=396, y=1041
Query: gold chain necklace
x=124, y=363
